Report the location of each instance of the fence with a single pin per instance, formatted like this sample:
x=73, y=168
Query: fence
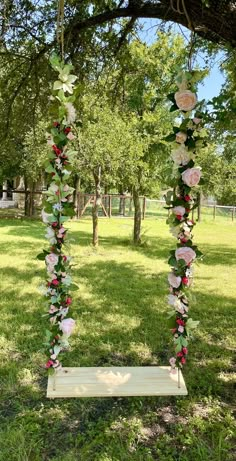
x=112, y=205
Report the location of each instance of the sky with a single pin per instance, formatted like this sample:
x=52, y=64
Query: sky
x=212, y=84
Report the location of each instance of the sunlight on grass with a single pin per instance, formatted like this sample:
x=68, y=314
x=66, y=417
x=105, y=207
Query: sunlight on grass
x=120, y=312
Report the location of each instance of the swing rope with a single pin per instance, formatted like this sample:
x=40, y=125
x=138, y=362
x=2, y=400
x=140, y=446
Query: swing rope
x=60, y=27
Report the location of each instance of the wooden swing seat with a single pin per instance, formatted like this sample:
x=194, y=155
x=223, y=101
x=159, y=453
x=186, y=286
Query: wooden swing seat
x=115, y=382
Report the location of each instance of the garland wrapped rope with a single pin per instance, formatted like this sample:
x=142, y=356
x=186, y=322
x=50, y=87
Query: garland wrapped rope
x=187, y=139
x=58, y=208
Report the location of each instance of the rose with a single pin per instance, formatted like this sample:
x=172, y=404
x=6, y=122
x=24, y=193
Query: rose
x=179, y=211
x=185, y=100
x=173, y=280
x=185, y=253
x=68, y=301
x=181, y=137
x=51, y=259
x=67, y=326
x=185, y=281
x=181, y=156
x=192, y=176
x=172, y=361
x=187, y=198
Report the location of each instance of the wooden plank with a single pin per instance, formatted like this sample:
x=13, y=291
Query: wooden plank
x=114, y=382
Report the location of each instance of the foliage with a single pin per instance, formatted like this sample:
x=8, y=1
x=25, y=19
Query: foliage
x=188, y=138
x=58, y=209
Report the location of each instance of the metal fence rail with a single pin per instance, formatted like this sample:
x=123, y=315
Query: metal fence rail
x=113, y=205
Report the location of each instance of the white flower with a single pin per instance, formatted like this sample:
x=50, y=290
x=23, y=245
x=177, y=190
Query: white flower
x=185, y=100
x=46, y=216
x=50, y=235
x=181, y=155
x=58, y=207
x=71, y=113
x=181, y=137
x=49, y=138
x=65, y=83
x=174, y=301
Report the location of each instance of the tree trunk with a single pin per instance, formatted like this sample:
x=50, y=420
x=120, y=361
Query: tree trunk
x=137, y=218
x=97, y=203
x=26, y=197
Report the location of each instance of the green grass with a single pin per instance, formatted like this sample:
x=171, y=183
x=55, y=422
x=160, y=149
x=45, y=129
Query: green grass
x=120, y=312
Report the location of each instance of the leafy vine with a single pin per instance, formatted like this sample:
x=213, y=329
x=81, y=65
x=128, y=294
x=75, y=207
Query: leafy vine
x=58, y=208
x=187, y=138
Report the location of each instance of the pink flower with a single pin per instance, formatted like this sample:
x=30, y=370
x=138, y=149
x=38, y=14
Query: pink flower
x=180, y=137
x=52, y=309
x=196, y=120
x=178, y=211
x=191, y=176
x=183, y=360
x=68, y=300
x=67, y=326
x=172, y=361
x=185, y=100
x=173, y=280
x=185, y=253
x=70, y=136
x=181, y=329
x=185, y=350
x=51, y=259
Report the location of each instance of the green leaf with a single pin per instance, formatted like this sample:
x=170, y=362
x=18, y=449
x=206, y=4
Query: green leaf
x=41, y=256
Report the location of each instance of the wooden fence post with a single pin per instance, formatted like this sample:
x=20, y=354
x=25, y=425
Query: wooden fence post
x=144, y=207
x=214, y=212
x=110, y=207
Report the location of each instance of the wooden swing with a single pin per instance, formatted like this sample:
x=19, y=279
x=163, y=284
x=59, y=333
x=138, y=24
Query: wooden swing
x=115, y=382
x=111, y=381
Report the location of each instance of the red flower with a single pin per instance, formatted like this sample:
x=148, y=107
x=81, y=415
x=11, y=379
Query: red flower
x=56, y=124
x=179, y=217
x=183, y=360
x=54, y=224
x=64, y=258
x=184, y=350
x=49, y=364
x=56, y=150
x=188, y=210
x=187, y=198
x=183, y=240
x=180, y=322
x=179, y=354
x=185, y=280
x=67, y=130
x=68, y=301
x=55, y=282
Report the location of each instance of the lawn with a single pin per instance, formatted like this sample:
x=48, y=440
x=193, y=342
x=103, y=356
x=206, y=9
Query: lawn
x=120, y=312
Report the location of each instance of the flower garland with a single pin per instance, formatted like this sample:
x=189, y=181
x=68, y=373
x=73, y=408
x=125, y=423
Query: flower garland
x=58, y=208
x=187, y=139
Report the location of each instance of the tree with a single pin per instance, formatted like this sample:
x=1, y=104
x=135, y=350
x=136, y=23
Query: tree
x=104, y=143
